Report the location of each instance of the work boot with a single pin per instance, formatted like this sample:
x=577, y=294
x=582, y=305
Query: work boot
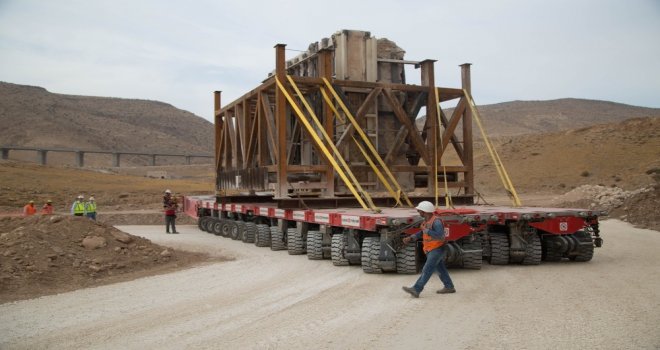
x=411, y=291
x=446, y=290
x=175, y=232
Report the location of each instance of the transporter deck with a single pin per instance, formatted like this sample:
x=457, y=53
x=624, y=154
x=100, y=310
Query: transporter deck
x=500, y=235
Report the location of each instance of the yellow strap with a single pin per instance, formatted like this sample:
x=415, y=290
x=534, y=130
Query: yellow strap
x=504, y=176
x=395, y=194
x=347, y=169
x=367, y=142
x=319, y=142
x=448, y=200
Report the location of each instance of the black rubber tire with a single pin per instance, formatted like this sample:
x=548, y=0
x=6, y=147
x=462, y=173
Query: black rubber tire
x=549, y=252
x=370, y=254
x=217, y=227
x=242, y=231
x=234, y=233
x=206, y=223
x=499, y=248
x=338, y=248
x=295, y=243
x=199, y=223
x=277, y=239
x=250, y=232
x=533, y=252
x=406, y=259
x=585, y=252
x=472, y=260
x=262, y=239
x=225, y=228
x=314, y=245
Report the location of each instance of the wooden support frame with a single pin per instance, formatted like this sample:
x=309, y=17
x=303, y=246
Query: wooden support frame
x=256, y=132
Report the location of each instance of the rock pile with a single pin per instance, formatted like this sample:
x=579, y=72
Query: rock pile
x=46, y=254
x=640, y=207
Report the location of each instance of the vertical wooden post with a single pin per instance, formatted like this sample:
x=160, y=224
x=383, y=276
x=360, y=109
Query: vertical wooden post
x=325, y=71
x=467, y=133
x=428, y=79
x=281, y=190
x=218, y=129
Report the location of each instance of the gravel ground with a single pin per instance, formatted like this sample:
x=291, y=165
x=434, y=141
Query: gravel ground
x=271, y=300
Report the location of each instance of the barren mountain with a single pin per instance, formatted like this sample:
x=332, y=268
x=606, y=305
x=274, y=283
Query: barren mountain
x=32, y=116
x=531, y=117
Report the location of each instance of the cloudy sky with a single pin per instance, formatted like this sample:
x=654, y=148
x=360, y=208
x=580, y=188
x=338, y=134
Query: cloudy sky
x=179, y=52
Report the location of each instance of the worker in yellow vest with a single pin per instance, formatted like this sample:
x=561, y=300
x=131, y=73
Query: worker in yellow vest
x=78, y=207
x=90, y=208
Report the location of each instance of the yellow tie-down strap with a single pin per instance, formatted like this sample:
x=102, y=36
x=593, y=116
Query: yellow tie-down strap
x=344, y=173
x=396, y=194
x=504, y=176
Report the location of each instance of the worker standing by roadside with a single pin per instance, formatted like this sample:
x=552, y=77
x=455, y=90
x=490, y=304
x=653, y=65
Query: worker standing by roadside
x=78, y=207
x=170, y=206
x=48, y=208
x=29, y=209
x=433, y=235
x=90, y=208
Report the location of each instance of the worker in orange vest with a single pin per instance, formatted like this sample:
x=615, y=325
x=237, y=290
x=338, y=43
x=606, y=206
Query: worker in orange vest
x=29, y=209
x=433, y=236
x=48, y=208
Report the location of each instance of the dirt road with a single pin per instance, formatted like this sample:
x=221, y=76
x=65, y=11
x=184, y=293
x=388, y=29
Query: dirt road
x=271, y=300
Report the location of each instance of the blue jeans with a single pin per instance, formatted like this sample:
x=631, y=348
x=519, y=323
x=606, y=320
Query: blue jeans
x=435, y=261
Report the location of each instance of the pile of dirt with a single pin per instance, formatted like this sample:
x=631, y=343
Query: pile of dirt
x=640, y=207
x=42, y=255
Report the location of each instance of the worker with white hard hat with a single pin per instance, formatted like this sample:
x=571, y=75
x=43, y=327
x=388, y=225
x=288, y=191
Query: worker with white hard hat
x=90, y=208
x=433, y=236
x=78, y=207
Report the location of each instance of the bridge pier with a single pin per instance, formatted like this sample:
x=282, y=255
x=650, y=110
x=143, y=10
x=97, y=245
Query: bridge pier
x=153, y=160
x=80, y=159
x=115, y=159
x=5, y=153
x=42, y=155
x=188, y=159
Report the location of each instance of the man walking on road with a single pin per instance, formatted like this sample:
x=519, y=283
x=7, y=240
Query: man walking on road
x=433, y=235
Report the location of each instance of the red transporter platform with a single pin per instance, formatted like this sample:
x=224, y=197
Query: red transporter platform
x=500, y=235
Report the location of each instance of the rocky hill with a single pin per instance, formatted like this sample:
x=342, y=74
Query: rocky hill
x=531, y=117
x=32, y=116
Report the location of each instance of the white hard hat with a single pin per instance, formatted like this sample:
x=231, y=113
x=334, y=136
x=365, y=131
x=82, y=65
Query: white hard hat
x=91, y=198
x=426, y=207
x=81, y=197
x=168, y=191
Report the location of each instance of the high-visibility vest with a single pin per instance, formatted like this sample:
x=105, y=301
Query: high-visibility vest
x=29, y=210
x=78, y=208
x=90, y=207
x=429, y=241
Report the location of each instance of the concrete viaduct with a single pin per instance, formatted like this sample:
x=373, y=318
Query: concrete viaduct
x=42, y=154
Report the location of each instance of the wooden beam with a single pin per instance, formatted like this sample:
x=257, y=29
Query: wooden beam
x=269, y=118
x=281, y=189
x=450, y=128
x=396, y=144
x=417, y=142
x=362, y=110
